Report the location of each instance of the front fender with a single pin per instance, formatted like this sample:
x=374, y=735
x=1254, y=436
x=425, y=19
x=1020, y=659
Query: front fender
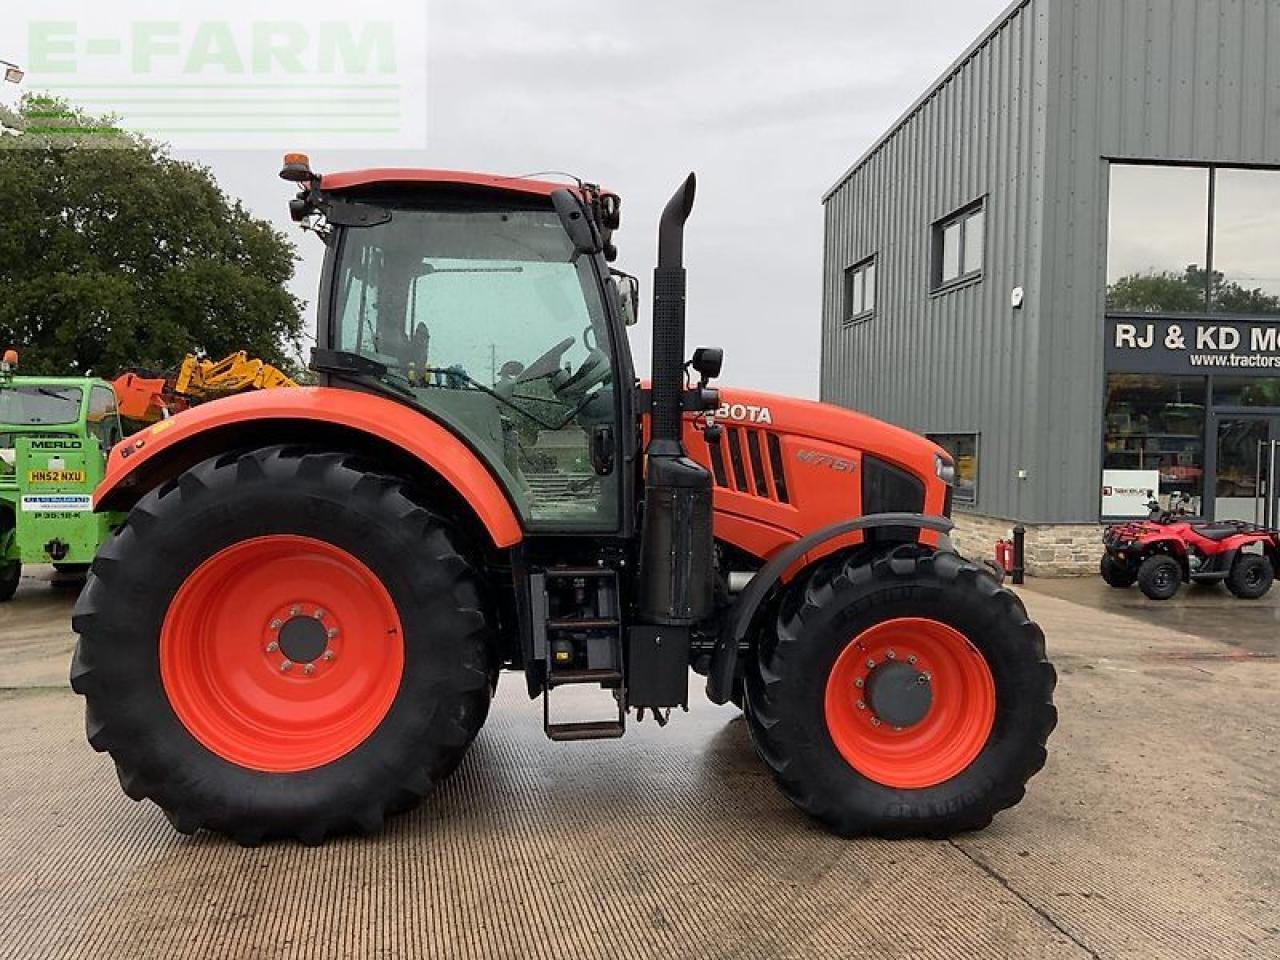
x=145, y=454
x=724, y=660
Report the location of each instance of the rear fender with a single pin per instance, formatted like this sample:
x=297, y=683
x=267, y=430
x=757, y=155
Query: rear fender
x=342, y=419
x=724, y=660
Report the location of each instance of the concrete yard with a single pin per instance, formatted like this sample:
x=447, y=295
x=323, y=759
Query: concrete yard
x=1153, y=832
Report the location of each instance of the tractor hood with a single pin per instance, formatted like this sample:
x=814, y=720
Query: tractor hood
x=823, y=421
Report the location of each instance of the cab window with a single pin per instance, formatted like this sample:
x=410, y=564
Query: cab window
x=103, y=419
x=497, y=326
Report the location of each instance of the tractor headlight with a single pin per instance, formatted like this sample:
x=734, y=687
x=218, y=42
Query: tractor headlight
x=945, y=468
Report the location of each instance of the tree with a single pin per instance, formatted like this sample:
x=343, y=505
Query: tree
x=113, y=255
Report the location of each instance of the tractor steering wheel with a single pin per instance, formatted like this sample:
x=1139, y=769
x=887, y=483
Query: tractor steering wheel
x=547, y=364
x=595, y=369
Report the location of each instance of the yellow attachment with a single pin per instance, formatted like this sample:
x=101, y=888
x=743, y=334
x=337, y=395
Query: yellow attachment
x=200, y=379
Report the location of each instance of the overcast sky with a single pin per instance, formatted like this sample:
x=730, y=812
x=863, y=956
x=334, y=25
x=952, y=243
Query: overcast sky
x=768, y=102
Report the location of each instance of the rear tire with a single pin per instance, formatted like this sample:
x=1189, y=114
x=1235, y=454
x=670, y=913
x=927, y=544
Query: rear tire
x=10, y=577
x=1115, y=574
x=194, y=580
x=1251, y=576
x=970, y=754
x=1160, y=577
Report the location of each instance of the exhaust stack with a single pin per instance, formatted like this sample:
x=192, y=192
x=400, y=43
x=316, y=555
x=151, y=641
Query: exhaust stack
x=669, y=324
x=676, y=543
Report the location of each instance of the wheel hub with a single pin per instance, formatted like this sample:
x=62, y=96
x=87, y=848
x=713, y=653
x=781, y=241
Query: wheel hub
x=303, y=639
x=899, y=694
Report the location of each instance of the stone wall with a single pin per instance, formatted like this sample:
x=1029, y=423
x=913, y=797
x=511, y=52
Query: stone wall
x=1052, y=549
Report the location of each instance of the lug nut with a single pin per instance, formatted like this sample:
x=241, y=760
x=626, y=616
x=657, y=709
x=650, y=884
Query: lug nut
x=331, y=632
x=911, y=660
x=275, y=624
x=294, y=611
x=858, y=683
x=328, y=654
x=272, y=647
x=862, y=704
x=875, y=721
x=284, y=667
x=871, y=664
x=890, y=654
x=309, y=669
x=319, y=614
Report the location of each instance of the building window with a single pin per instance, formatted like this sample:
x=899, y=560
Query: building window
x=959, y=243
x=1245, y=254
x=963, y=448
x=1153, y=444
x=1193, y=240
x=860, y=290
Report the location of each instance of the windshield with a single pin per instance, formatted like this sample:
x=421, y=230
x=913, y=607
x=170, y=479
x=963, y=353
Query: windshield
x=493, y=323
x=30, y=406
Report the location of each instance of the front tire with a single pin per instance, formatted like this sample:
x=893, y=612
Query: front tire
x=1115, y=574
x=1251, y=576
x=1160, y=577
x=279, y=644
x=10, y=577
x=950, y=660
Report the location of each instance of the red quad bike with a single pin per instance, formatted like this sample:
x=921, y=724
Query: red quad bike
x=1162, y=552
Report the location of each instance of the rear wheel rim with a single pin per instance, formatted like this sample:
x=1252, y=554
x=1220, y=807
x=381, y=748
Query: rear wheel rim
x=952, y=731
x=232, y=628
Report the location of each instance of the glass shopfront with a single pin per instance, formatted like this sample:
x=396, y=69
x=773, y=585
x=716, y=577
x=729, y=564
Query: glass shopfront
x=1192, y=398
x=1206, y=445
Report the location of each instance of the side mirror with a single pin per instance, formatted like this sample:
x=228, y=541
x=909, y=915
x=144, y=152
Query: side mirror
x=628, y=290
x=708, y=361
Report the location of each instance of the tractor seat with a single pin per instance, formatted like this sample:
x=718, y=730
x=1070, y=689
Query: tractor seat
x=1217, y=532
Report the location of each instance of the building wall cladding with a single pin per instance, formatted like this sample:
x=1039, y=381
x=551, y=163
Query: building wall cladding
x=962, y=361
x=1029, y=117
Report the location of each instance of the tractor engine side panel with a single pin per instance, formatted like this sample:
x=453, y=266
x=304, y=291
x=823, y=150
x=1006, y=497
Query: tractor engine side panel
x=784, y=468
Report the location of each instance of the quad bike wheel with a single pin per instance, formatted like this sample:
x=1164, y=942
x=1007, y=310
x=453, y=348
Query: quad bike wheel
x=1251, y=576
x=1160, y=577
x=908, y=696
x=280, y=644
x=10, y=577
x=1115, y=574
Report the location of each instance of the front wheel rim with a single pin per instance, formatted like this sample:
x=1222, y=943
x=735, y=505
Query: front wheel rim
x=281, y=653
x=951, y=732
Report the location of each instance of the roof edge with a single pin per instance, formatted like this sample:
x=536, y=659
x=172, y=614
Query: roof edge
x=956, y=66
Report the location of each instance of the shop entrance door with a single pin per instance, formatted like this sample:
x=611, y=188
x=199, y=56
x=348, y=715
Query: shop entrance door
x=1248, y=458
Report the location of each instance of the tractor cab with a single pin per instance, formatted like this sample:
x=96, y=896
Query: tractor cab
x=473, y=301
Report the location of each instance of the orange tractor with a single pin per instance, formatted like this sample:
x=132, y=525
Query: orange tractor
x=299, y=628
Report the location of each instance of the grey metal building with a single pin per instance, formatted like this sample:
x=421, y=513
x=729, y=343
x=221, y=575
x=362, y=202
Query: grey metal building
x=1064, y=262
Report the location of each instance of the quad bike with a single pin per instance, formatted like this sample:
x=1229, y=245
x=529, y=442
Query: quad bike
x=1162, y=552
x=299, y=628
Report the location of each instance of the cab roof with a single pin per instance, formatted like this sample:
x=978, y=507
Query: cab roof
x=18, y=381
x=389, y=175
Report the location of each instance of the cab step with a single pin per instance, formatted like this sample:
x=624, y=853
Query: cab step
x=579, y=641
x=593, y=730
